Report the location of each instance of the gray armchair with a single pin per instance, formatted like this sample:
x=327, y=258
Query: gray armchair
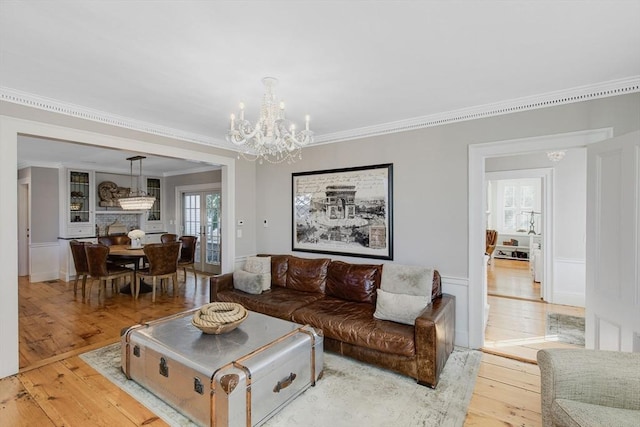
x=589, y=387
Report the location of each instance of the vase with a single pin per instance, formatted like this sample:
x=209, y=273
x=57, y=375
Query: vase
x=136, y=243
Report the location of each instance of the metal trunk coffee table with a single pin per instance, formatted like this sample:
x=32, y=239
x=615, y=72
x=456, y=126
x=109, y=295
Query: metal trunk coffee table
x=240, y=378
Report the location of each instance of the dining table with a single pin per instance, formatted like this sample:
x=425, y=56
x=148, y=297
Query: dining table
x=124, y=255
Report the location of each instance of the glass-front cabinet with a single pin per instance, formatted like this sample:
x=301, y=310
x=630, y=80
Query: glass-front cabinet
x=153, y=219
x=153, y=190
x=78, y=205
x=79, y=197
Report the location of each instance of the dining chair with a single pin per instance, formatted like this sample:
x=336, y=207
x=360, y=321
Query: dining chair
x=102, y=271
x=188, y=255
x=167, y=237
x=118, y=239
x=80, y=264
x=163, y=265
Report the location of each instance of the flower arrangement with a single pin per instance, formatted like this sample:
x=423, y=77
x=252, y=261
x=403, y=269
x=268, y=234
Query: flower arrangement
x=136, y=238
x=136, y=234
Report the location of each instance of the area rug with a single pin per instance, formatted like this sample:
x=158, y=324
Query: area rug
x=565, y=328
x=349, y=394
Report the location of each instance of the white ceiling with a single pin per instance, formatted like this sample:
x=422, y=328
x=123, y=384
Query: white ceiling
x=185, y=65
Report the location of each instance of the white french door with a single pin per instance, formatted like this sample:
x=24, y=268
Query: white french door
x=613, y=244
x=201, y=217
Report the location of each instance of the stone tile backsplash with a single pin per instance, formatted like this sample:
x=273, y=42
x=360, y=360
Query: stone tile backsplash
x=104, y=220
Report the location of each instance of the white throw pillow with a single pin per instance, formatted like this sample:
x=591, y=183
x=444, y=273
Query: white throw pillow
x=400, y=308
x=407, y=279
x=260, y=265
x=250, y=283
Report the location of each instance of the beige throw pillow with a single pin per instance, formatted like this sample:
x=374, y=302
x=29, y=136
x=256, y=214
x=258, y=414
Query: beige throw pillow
x=400, y=308
x=260, y=265
x=250, y=283
x=406, y=279
x=405, y=290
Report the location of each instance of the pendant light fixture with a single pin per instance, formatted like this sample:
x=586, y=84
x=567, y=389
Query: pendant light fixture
x=136, y=200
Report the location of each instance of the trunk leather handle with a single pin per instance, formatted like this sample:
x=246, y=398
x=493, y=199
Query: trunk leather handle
x=284, y=383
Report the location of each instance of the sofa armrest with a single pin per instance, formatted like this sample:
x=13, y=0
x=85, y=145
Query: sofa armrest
x=605, y=378
x=434, y=331
x=222, y=282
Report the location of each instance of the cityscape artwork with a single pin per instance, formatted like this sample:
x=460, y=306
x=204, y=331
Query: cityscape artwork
x=344, y=211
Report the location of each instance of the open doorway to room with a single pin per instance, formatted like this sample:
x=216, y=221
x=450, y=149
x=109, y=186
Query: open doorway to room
x=515, y=212
x=46, y=299
x=537, y=208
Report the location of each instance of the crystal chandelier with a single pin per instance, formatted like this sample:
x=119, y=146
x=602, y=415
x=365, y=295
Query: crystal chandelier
x=273, y=138
x=136, y=200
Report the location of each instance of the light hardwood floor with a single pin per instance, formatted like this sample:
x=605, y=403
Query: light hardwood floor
x=55, y=387
x=507, y=391
x=511, y=278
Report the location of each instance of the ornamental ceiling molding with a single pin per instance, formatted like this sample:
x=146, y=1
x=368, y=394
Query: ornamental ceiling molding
x=579, y=94
x=550, y=99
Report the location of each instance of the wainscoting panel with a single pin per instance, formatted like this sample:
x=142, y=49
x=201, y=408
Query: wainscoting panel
x=43, y=261
x=459, y=287
x=609, y=335
x=569, y=282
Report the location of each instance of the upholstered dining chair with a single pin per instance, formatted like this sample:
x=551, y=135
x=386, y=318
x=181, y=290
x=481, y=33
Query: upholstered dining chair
x=188, y=255
x=102, y=271
x=163, y=264
x=168, y=237
x=118, y=239
x=80, y=264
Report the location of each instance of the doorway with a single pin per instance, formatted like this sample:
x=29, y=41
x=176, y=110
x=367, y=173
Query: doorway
x=518, y=211
x=201, y=217
x=478, y=153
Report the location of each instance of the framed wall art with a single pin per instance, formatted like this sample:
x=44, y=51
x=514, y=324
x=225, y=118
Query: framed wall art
x=344, y=211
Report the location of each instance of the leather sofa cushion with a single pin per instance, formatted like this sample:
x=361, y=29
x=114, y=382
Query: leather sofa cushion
x=307, y=275
x=278, y=302
x=279, y=267
x=353, y=323
x=353, y=282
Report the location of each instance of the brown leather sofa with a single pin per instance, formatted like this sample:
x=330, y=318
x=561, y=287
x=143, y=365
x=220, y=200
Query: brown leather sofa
x=340, y=298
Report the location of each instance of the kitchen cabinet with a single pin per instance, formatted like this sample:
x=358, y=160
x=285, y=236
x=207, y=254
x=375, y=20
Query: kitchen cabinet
x=154, y=189
x=77, y=195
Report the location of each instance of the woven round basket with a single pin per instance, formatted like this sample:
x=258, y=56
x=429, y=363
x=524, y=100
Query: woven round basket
x=219, y=317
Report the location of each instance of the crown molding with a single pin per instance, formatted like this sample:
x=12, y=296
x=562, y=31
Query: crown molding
x=550, y=99
x=68, y=109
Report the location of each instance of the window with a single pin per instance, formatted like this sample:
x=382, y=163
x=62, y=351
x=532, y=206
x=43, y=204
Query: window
x=516, y=200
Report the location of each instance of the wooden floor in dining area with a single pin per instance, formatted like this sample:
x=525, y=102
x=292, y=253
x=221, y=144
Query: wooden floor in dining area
x=55, y=323
x=55, y=387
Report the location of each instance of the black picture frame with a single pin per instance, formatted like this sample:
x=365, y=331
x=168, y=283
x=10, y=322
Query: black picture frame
x=346, y=211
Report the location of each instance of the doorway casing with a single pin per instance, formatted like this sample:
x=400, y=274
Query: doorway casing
x=10, y=129
x=477, y=201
